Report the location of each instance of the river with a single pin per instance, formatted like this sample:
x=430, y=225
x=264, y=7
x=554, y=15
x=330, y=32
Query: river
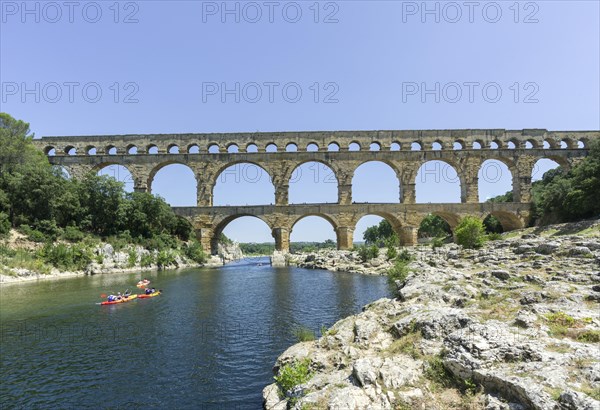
x=208, y=342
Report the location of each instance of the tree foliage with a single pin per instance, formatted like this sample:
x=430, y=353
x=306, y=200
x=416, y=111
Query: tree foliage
x=470, y=232
x=433, y=226
x=35, y=195
x=380, y=235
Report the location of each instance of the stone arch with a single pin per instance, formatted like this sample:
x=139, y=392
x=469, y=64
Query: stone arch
x=354, y=146
x=379, y=187
x=182, y=169
x=118, y=171
x=395, y=146
x=291, y=147
x=132, y=149
x=193, y=148
x=531, y=144
x=582, y=143
x=252, y=147
x=508, y=220
x=221, y=225
x=495, y=144
x=213, y=148
x=50, y=151
x=318, y=173
x=436, y=229
x=477, y=144
x=442, y=177
x=545, y=164
x=331, y=220
x=416, y=146
x=394, y=222
x=333, y=146
x=152, y=149
x=253, y=182
x=173, y=149
x=70, y=150
x=495, y=178
x=312, y=147
x=451, y=218
x=375, y=146
x=111, y=150
x=549, y=143
x=458, y=145
x=437, y=145
x=233, y=148
x=91, y=150
x=271, y=147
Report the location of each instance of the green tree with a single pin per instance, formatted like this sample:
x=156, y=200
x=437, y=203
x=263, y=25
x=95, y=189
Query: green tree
x=378, y=234
x=470, y=232
x=433, y=226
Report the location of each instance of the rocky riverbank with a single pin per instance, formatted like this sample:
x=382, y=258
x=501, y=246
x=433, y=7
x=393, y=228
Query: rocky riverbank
x=108, y=260
x=514, y=325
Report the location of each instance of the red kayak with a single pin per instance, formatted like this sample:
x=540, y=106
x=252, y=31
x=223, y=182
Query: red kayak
x=149, y=295
x=123, y=300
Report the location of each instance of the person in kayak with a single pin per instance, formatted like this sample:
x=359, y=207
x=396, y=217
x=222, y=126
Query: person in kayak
x=149, y=291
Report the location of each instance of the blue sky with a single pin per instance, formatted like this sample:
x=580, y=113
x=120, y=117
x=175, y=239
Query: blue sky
x=165, y=67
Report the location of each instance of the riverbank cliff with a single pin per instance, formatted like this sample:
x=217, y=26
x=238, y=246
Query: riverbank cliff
x=513, y=325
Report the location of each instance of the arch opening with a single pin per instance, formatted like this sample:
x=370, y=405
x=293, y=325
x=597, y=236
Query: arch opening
x=541, y=167
x=477, y=144
x=251, y=148
x=50, y=151
x=457, y=145
x=233, y=149
x=214, y=149
x=71, y=150
x=243, y=183
x=291, y=147
x=313, y=182
x=416, y=146
x=152, y=149
x=193, y=149
x=437, y=182
x=183, y=193
x=375, y=146
x=271, y=148
x=395, y=146
x=494, y=180
x=377, y=229
x=334, y=147
x=117, y=172
x=173, y=149
x=132, y=150
x=250, y=231
x=354, y=146
x=311, y=232
x=61, y=171
x=91, y=150
x=312, y=147
x=433, y=227
x=111, y=150
x=436, y=146
x=375, y=181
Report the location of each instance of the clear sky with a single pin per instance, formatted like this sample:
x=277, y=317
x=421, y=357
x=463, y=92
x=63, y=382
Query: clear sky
x=181, y=66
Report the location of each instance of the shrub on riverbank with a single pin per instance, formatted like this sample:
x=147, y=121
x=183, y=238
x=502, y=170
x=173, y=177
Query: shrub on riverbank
x=293, y=374
x=470, y=232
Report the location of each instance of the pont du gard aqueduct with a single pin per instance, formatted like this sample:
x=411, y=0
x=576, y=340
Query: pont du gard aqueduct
x=280, y=153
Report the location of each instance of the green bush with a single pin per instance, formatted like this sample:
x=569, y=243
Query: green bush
x=61, y=256
x=470, y=232
x=293, y=374
x=304, y=334
x=367, y=253
x=398, y=272
x=132, y=258
x=73, y=234
x=33, y=234
x=391, y=253
x=437, y=243
x=494, y=236
x=405, y=256
x=4, y=224
x=193, y=250
x=165, y=258
x=146, y=260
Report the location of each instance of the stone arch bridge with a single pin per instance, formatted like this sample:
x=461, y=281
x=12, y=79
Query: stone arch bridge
x=280, y=153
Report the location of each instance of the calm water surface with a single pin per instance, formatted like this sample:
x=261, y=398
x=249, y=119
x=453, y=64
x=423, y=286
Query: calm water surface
x=209, y=341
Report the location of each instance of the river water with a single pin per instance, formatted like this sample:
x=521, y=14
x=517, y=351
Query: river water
x=208, y=342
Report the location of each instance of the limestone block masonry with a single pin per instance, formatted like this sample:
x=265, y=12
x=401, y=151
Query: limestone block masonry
x=280, y=153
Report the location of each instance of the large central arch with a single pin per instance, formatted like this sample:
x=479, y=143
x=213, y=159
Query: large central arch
x=242, y=183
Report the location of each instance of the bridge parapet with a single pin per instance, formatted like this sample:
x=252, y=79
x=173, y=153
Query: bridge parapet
x=322, y=140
